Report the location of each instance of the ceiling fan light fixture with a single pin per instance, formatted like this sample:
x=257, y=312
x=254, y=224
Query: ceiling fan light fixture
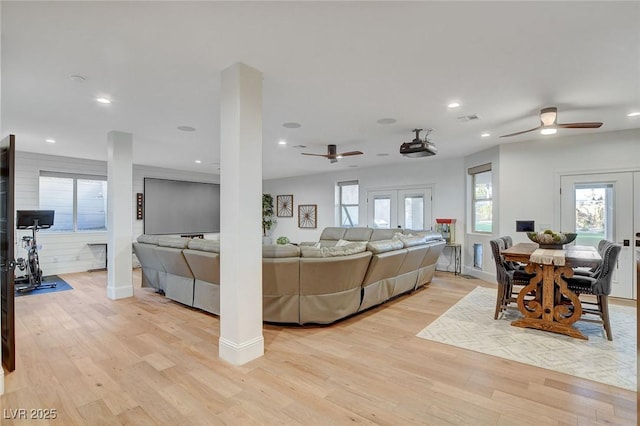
x=548, y=116
x=549, y=131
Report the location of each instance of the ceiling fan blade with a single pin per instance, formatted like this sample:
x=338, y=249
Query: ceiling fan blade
x=346, y=154
x=316, y=155
x=587, y=125
x=519, y=133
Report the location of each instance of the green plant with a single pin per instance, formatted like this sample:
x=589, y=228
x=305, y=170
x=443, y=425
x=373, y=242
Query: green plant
x=268, y=214
x=282, y=240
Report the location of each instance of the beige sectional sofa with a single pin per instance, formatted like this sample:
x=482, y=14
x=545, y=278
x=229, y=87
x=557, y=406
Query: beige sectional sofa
x=348, y=271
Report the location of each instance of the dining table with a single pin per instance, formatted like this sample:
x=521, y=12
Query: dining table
x=551, y=305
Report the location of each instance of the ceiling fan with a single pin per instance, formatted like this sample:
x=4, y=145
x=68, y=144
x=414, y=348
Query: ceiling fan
x=333, y=155
x=549, y=123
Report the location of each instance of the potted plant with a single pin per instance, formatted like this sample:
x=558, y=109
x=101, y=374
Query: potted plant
x=268, y=217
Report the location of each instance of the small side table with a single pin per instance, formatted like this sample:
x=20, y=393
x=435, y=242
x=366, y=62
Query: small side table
x=456, y=253
x=106, y=256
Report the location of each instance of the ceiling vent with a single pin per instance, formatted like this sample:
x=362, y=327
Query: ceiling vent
x=465, y=118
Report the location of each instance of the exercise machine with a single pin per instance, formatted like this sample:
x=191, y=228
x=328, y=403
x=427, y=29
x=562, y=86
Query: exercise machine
x=34, y=220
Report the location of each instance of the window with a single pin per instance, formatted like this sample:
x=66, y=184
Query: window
x=481, y=203
x=79, y=201
x=349, y=203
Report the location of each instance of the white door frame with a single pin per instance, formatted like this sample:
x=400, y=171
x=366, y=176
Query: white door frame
x=395, y=193
x=624, y=278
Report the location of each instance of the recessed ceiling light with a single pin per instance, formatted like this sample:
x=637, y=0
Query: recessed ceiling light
x=387, y=121
x=282, y=142
x=78, y=78
x=292, y=125
x=633, y=114
x=382, y=154
x=197, y=161
x=485, y=135
x=550, y=131
x=50, y=140
x=103, y=100
x=453, y=105
x=186, y=128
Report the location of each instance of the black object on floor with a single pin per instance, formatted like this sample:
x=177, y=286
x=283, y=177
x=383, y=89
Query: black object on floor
x=61, y=285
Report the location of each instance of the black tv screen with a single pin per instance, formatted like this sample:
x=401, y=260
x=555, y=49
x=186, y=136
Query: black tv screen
x=181, y=207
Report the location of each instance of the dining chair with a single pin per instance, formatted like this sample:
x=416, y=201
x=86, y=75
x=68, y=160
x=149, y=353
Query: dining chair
x=593, y=271
x=599, y=286
x=508, y=275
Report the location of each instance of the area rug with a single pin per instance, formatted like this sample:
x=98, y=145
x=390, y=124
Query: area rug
x=61, y=285
x=469, y=324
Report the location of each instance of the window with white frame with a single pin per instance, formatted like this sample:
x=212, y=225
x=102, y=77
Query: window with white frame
x=481, y=199
x=349, y=203
x=79, y=201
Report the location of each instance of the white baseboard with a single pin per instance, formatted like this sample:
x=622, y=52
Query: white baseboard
x=241, y=353
x=115, y=293
x=485, y=276
x=1, y=380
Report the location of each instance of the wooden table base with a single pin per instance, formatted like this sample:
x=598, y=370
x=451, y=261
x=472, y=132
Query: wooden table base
x=557, y=308
x=554, y=327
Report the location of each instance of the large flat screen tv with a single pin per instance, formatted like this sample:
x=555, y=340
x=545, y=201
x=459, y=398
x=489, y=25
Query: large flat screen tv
x=181, y=207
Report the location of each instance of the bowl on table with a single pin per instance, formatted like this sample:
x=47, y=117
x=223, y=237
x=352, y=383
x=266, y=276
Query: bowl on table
x=551, y=240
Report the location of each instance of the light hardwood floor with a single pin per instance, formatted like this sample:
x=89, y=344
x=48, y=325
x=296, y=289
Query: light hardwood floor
x=149, y=361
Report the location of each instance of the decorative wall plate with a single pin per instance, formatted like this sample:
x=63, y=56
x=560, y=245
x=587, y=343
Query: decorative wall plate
x=307, y=215
x=284, y=205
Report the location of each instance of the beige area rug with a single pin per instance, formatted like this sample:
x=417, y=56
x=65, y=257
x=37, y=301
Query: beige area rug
x=469, y=324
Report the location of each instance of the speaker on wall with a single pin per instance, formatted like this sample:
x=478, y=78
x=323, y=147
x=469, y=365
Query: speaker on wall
x=139, y=206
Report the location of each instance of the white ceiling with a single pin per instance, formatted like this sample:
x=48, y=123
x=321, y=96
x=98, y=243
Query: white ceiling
x=334, y=67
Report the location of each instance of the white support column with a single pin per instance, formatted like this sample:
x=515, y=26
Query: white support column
x=241, y=337
x=119, y=214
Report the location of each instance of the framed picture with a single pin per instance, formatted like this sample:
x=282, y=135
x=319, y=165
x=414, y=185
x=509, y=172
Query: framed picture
x=284, y=205
x=307, y=215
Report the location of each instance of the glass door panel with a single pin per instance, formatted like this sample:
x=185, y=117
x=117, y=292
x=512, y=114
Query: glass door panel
x=382, y=213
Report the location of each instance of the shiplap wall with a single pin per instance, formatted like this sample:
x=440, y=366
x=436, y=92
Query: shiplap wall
x=65, y=252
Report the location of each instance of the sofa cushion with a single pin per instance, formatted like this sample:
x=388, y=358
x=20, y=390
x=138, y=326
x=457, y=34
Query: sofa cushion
x=358, y=234
x=343, y=243
x=280, y=250
x=383, y=234
x=383, y=246
x=410, y=240
x=148, y=239
x=173, y=242
x=351, y=248
x=332, y=233
x=212, y=246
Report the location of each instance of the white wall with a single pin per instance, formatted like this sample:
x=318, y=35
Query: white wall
x=64, y=252
x=529, y=170
x=526, y=181
x=446, y=177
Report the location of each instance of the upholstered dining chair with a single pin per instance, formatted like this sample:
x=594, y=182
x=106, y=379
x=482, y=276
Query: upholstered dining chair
x=599, y=286
x=592, y=272
x=508, y=274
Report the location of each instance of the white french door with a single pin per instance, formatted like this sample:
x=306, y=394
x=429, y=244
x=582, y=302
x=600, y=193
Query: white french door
x=409, y=208
x=601, y=206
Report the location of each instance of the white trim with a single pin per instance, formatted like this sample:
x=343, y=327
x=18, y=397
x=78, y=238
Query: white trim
x=115, y=293
x=483, y=275
x=241, y=353
x=1, y=381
